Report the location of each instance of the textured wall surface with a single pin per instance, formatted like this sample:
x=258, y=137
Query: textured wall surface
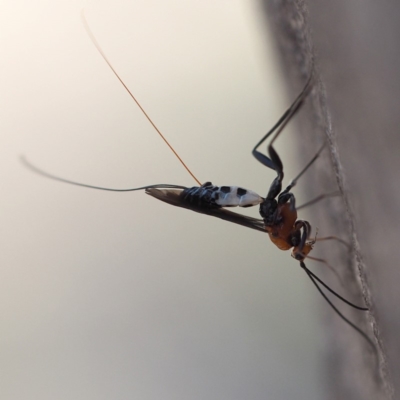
x=354, y=106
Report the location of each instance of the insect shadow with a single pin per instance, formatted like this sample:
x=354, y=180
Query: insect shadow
x=277, y=210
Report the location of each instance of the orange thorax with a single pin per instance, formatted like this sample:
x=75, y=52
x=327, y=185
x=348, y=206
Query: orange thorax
x=280, y=233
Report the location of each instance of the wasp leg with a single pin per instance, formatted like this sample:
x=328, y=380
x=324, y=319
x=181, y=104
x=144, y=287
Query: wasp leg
x=273, y=161
x=318, y=198
x=286, y=197
x=293, y=182
x=334, y=238
x=298, y=253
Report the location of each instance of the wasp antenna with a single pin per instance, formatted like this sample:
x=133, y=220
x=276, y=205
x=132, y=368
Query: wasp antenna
x=37, y=170
x=311, y=274
x=333, y=270
x=363, y=334
x=99, y=49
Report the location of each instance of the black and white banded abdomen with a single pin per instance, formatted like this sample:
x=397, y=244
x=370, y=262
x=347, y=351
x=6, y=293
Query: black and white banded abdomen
x=208, y=195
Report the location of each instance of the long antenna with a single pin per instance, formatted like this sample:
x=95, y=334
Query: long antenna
x=311, y=274
x=93, y=39
x=356, y=328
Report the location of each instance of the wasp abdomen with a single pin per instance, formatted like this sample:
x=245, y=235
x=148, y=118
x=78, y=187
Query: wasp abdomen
x=208, y=195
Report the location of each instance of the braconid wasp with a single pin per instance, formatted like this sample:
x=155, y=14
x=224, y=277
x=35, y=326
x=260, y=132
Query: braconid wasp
x=277, y=209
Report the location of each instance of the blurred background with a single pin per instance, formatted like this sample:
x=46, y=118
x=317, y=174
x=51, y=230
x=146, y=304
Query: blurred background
x=115, y=295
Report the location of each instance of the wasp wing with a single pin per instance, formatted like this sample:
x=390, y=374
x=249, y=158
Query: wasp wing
x=173, y=197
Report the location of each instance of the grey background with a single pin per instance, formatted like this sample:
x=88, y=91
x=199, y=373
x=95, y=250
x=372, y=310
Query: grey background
x=107, y=295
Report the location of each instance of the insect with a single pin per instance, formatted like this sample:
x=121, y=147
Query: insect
x=277, y=209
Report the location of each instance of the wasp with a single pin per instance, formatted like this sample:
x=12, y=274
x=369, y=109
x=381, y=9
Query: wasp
x=277, y=209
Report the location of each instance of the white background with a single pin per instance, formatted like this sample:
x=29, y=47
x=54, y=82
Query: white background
x=116, y=295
